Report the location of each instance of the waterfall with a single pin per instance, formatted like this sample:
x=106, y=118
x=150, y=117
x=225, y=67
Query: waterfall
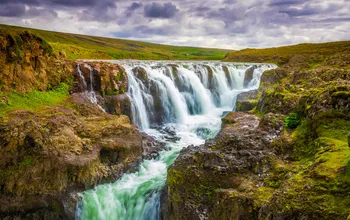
x=88, y=92
x=187, y=97
x=169, y=92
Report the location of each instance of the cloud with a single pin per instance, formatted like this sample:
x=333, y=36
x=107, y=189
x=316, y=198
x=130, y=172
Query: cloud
x=12, y=10
x=103, y=11
x=75, y=3
x=27, y=2
x=214, y=23
x=158, y=10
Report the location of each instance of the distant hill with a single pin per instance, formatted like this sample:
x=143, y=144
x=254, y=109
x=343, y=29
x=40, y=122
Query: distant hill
x=314, y=53
x=89, y=47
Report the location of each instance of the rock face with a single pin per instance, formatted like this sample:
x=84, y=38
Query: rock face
x=27, y=64
x=247, y=101
x=245, y=173
x=213, y=180
x=249, y=75
x=109, y=82
x=49, y=154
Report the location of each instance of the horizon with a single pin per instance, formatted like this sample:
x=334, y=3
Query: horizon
x=217, y=24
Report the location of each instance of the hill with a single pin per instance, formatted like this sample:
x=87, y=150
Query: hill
x=282, y=55
x=89, y=47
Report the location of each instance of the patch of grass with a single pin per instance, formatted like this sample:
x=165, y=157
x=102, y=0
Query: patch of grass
x=33, y=100
x=88, y=47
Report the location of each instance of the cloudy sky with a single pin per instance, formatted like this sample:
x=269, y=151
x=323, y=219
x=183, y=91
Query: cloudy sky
x=231, y=24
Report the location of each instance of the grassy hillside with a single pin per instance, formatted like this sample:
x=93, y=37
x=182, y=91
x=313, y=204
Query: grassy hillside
x=88, y=47
x=282, y=55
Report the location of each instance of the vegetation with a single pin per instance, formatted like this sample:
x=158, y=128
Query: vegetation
x=292, y=120
x=33, y=100
x=88, y=47
x=282, y=55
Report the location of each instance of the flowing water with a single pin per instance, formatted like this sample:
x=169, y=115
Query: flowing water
x=88, y=90
x=186, y=98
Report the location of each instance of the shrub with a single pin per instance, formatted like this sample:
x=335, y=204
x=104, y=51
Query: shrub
x=292, y=120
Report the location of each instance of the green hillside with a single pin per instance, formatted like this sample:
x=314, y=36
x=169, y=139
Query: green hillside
x=88, y=47
x=282, y=55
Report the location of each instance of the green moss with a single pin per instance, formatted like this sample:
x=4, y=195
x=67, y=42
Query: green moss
x=111, y=92
x=341, y=94
x=292, y=120
x=34, y=100
x=174, y=177
x=27, y=161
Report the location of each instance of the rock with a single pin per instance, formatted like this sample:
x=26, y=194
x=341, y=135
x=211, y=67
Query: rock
x=108, y=78
x=247, y=105
x=249, y=95
x=226, y=170
x=50, y=155
x=247, y=101
x=151, y=147
x=249, y=73
x=117, y=104
x=29, y=65
x=62, y=54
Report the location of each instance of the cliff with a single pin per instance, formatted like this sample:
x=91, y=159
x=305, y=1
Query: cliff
x=288, y=158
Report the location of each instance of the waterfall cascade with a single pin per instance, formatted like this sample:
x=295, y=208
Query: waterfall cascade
x=186, y=97
x=164, y=92
x=88, y=88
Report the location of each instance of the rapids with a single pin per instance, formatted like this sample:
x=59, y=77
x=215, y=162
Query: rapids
x=186, y=98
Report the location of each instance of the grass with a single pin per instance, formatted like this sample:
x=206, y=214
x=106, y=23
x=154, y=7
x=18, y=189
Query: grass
x=89, y=47
x=281, y=55
x=33, y=100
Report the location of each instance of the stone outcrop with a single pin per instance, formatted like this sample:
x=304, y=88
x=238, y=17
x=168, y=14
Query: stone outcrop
x=28, y=64
x=247, y=101
x=249, y=73
x=249, y=171
x=49, y=155
x=213, y=180
x=109, y=82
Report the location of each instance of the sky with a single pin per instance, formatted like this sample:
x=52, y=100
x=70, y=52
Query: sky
x=228, y=24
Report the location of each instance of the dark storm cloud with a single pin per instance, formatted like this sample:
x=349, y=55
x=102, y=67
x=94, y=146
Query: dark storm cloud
x=12, y=10
x=134, y=6
x=158, y=10
x=75, y=3
x=285, y=2
x=27, y=2
x=103, y=11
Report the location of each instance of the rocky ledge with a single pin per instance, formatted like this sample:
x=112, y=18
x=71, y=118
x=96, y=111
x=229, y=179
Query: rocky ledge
x=224, y=178
x=50, y=155
x=247, y=172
